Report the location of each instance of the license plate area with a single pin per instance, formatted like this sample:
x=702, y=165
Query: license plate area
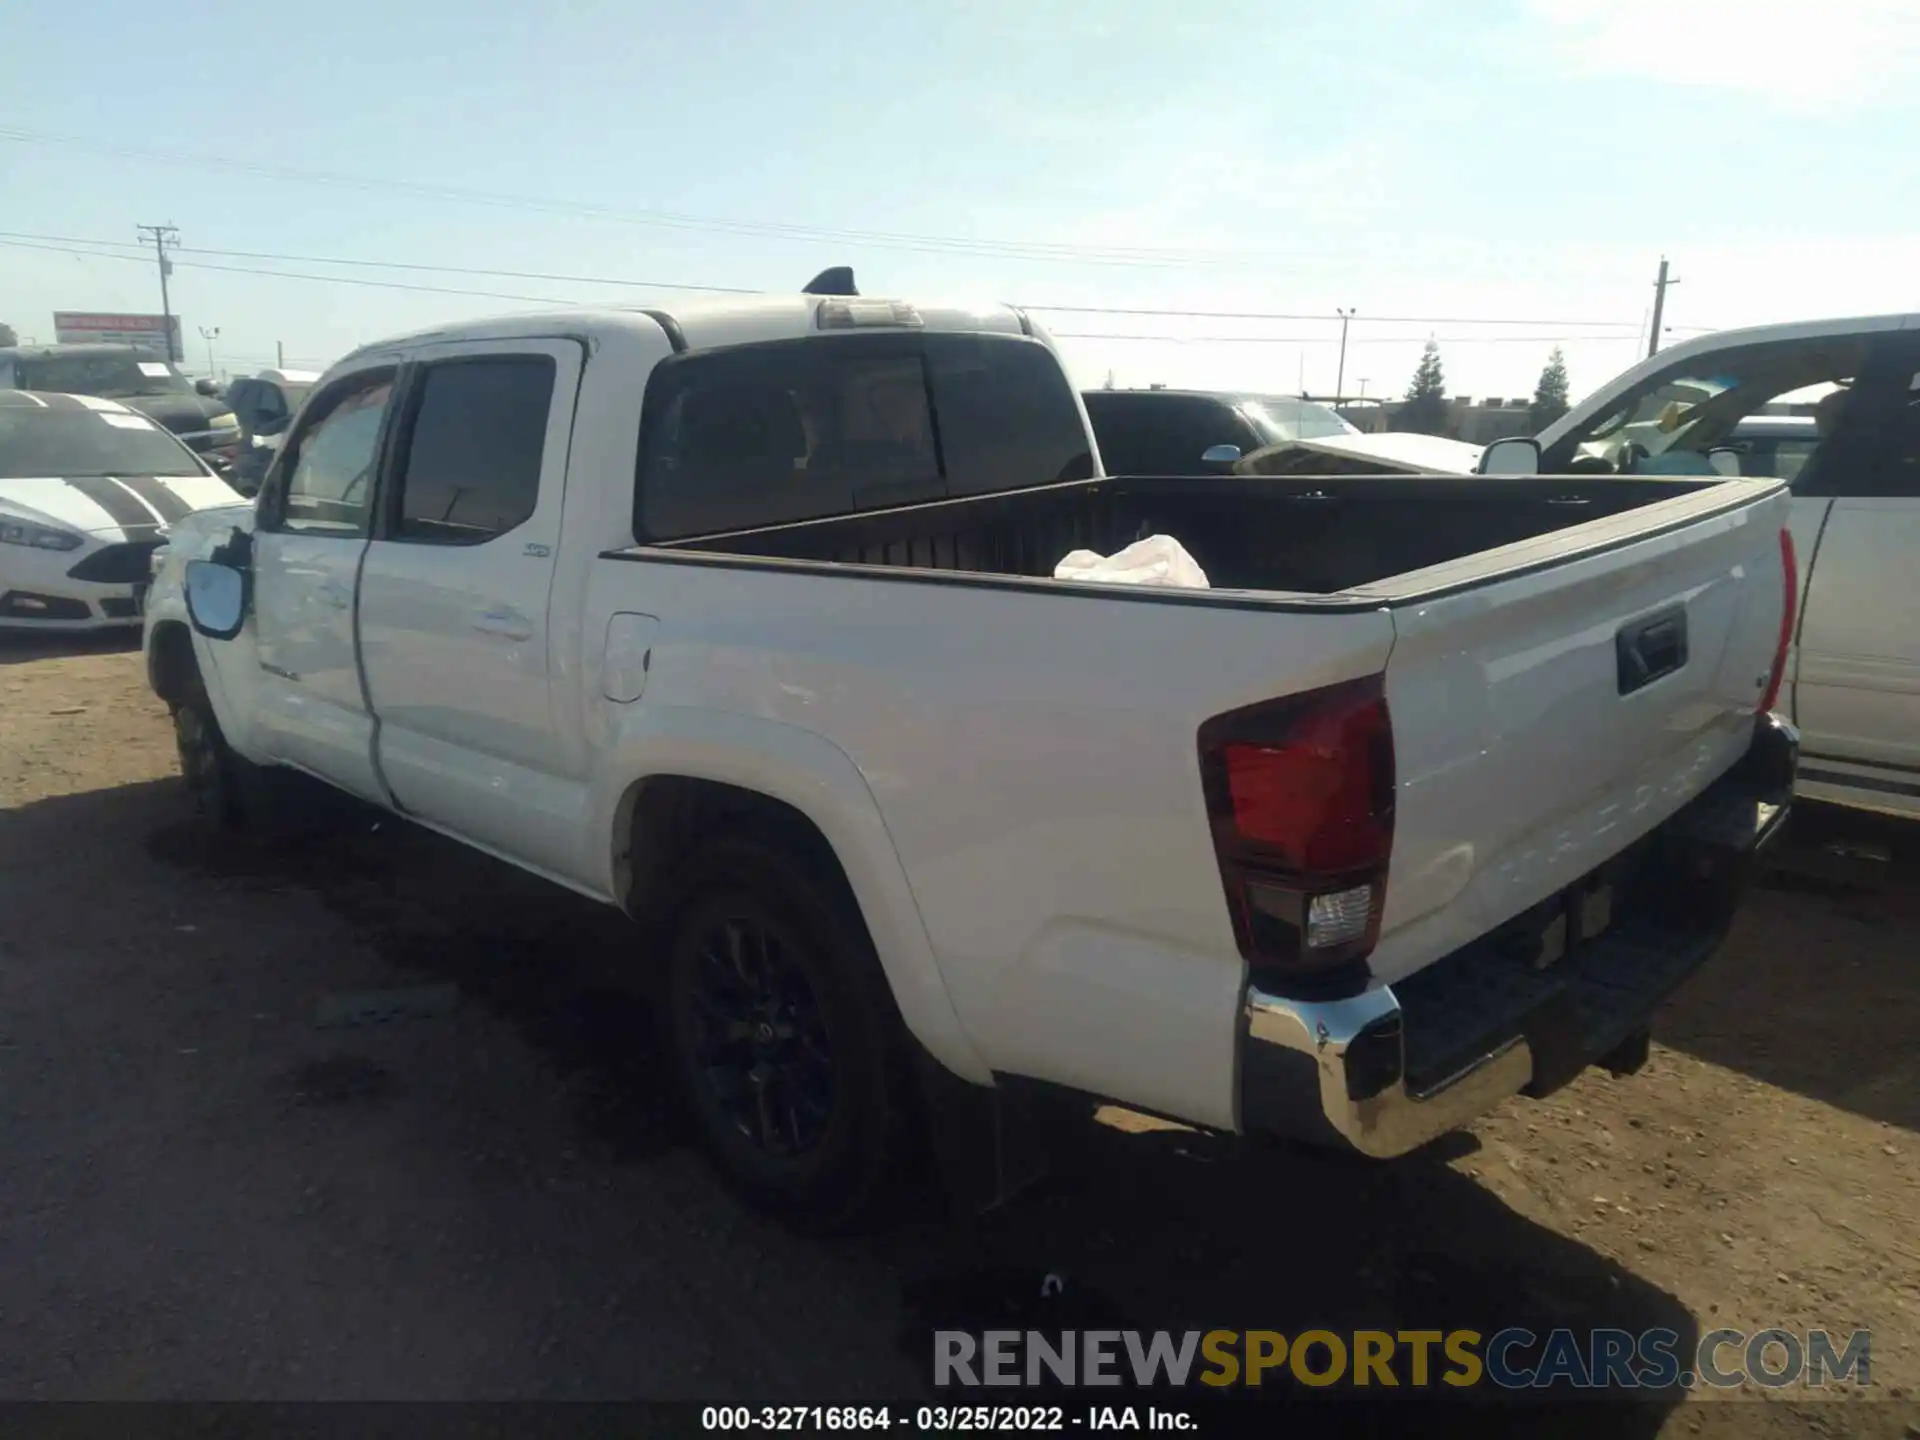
x=1559, y=926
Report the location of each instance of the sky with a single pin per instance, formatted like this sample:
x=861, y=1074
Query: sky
x=1500, y=177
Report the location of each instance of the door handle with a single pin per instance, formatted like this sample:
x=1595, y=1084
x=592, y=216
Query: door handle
x=504, y=621
x=1652, y=648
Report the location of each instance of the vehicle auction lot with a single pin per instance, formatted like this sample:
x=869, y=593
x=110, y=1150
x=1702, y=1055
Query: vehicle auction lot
x=205, y=1193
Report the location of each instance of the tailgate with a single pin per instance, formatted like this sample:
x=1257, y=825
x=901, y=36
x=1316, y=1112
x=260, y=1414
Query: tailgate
x=1568, y=700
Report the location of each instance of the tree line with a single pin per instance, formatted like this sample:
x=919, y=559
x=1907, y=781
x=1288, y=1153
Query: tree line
x=1426, y=410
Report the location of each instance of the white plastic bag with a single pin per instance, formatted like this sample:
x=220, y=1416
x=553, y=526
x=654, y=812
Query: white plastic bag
x=1156, y=560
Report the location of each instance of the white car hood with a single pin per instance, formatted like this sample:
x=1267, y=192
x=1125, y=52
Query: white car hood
x=1395, y=453
x=114, y=508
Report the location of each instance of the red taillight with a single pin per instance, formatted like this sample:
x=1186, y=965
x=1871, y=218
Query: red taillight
x=1300, y=791
x=1789, y=608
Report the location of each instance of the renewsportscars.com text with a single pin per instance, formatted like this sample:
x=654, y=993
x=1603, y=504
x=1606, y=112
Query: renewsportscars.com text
x=1512, y=1359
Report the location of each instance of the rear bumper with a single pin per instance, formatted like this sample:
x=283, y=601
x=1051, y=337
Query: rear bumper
x=1387, y=1071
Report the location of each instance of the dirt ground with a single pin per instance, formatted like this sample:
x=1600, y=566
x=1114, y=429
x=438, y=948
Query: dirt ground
x=205, y=1193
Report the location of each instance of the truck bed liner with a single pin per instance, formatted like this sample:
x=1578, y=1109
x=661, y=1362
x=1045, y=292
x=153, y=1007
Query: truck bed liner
x=1314, y=535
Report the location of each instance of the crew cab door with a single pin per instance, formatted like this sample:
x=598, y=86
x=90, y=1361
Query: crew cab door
x=1857, y=697
x=453, y=598
x=309, y=539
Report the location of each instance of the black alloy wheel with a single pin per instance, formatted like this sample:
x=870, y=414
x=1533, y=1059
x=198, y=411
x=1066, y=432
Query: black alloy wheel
x=786, y=1046
x=758, y=1039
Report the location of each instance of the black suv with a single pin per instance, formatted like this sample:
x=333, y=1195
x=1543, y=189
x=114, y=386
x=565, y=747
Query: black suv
x=1169, y=432
x=138, y=379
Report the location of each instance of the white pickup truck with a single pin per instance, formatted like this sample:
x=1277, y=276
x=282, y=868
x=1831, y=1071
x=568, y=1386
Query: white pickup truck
x=742, y=618
x=1852, y=683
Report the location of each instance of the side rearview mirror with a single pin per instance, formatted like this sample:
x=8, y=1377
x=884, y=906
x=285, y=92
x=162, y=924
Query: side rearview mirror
x=1724, y=459
x=1517, y=456
x=217, y=598
x=204, y=386
x=1219, y=457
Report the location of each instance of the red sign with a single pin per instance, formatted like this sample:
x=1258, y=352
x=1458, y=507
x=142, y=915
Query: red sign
x=72, y=327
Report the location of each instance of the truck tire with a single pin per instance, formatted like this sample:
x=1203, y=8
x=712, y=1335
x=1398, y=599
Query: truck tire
x=223, y=784
x=783, y=1038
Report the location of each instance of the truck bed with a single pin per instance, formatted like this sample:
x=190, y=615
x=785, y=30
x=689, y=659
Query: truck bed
x=1303, y=535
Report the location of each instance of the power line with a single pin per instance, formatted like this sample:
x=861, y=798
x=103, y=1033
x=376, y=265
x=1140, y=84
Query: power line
x=1633, y=325
x=1058, y=335
x=296, y=275
x=408, y=265
x=942, y=244
x=430, y=268
x=1335, y=339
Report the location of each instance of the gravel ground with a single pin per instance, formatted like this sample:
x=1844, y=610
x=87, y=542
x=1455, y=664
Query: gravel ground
x=203, y=1193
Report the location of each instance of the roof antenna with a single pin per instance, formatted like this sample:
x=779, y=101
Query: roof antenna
x=835, y=280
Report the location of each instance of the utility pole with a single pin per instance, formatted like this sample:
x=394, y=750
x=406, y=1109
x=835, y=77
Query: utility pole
x=161, y=236
x=210, y=336
x=280, y=360
x=1363, y=387
x=1659, y=306
x=1340, y=377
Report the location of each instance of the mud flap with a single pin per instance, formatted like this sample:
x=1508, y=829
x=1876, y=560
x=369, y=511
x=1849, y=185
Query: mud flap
x=1553, y=1036
x=1629, y=1057
x=989, y=1142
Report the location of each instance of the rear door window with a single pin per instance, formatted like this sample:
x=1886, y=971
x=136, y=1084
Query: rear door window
x=803, y=429
x=470, y=466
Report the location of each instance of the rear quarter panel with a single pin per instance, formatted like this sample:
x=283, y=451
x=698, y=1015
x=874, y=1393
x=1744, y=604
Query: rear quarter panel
x=1032, y=755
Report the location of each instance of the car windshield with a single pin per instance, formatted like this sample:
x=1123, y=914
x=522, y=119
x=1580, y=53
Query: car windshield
x=38, y=443
x=1282, y=420
x=115, y=376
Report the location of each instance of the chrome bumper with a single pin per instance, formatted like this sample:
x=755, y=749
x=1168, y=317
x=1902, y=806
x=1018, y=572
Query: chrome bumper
x=1335, y=1073
x=1350, y=1073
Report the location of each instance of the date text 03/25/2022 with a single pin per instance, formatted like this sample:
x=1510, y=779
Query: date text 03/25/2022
x=944, y=1419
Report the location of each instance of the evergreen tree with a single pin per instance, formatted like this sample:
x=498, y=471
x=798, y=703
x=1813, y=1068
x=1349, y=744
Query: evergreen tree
x=1426, y=411
x=1550, y=395
x=7, y=335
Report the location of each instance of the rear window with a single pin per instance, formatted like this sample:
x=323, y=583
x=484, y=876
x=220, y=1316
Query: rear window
x=60, y=443
x=803, y=429
x=115, y=375
x=1152, y=432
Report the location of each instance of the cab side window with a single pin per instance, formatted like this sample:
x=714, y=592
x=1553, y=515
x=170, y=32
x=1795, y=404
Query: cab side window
x=328, y=472
x=469, y=459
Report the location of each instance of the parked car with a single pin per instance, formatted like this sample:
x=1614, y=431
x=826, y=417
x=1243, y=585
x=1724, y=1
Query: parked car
x=139, y=379
x=1174, y=432
x=1853, y=678
x=87, y=491
x=265, y=405
x=747, y=625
